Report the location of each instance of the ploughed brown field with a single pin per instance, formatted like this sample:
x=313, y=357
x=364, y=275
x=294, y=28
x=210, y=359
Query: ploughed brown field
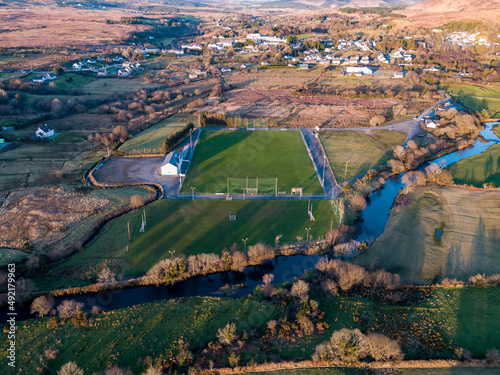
x=302, y=111
x=52, y=26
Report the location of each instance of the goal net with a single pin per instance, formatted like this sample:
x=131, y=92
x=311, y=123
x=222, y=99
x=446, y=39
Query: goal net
x=252, y=186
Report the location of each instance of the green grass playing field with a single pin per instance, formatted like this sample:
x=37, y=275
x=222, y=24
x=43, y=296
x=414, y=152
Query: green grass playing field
x=154, y=136
x=476, y=97
x=479, y=169
x=202, y=226
x=362, y=151
x=264, y=154
x=469, y=244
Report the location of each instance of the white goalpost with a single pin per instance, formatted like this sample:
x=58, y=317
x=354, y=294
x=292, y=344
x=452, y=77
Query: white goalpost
x=252, y=186
x=143, y=225
x=310, y=211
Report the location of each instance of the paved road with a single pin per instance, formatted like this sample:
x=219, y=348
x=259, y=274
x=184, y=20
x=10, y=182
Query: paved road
x=319, y=161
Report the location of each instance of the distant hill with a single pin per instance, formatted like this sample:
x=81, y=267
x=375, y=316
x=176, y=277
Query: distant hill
x=323, y=4
x=437, y=12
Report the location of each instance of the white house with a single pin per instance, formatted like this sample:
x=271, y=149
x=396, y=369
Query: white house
x=172, y=164
x=45, y=132
x=77, y=66
x=365, y=60
x=399, y=74
x=123, y=73
x=101, y=72
x=358, y=70
x=225, y=70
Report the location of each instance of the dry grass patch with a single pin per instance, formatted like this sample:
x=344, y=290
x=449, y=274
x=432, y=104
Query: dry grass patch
x=41, y=215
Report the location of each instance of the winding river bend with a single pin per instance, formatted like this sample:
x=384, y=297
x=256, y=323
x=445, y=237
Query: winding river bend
x=370, y=225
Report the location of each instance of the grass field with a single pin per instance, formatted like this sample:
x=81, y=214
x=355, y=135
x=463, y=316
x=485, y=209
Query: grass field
x=476, y=97
x=238, y=154
x=470, y=241
x=154, y=136
x=70, y=81
x=192, y=227
x=361, y=151
x=124, y=336
x=479, y=169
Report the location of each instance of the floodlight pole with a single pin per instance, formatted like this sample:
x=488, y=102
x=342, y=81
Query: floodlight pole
x=276, y=186
x=243, y=193
x=192, y=192
x=245, y=243
x=307, y=229
x=191, y=139
x=172, y=252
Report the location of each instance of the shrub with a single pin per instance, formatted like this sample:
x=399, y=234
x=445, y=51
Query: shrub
x=70, y=368
x=493, y=356
x=69, y=309
x=382, y=348
x=227, y=334
x=233, y=359
x=300, y=289
x=259, y=253
x=345, y=346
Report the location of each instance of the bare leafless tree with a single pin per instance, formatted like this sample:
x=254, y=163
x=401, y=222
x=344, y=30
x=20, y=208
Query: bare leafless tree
x=382, y=348
x=70, y=368
x=42, y=305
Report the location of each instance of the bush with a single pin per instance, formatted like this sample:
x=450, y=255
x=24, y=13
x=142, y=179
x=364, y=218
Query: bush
x=382, y=348
x=70, y=368
x=300, y=289
x=69, y=309
x=227, y=334
x=259, y=253
x=345, y=346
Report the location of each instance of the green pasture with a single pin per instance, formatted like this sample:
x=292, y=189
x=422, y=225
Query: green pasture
x=479, y=169
x=360, y=151
x=69, y=81
x=447, y=319
x=123, y=336
x=476, y=97
x=154, y=136
x=237, y=154
x=469, y=244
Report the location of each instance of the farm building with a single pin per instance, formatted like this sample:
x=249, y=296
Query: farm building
x=358, y=69
x=172, y=164
x=431, y=124
x=45, y=132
